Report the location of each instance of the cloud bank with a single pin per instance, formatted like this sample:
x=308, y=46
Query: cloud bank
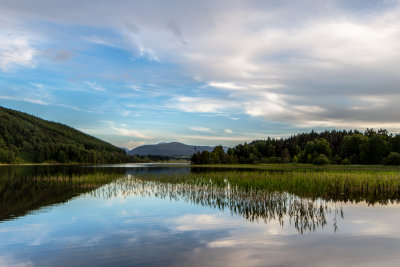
x=304, y=63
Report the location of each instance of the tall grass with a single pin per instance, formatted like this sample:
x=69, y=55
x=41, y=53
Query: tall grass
x=349, y=185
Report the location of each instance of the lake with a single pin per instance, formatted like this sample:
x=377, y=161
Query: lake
x=142, y=220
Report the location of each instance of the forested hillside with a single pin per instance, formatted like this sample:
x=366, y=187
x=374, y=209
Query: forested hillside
x=25, y=138
x=335, y=147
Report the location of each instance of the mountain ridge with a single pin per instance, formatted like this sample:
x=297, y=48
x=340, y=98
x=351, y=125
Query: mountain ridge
x=171, y=149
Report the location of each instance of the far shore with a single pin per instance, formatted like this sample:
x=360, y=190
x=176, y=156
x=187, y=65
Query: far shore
x=262, y=166
x=89, y=164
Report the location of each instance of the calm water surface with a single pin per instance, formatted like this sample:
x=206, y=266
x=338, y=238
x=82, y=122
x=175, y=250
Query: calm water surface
x=146, y=223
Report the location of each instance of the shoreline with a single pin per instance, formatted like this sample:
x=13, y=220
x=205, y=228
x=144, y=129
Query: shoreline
x=278, y=166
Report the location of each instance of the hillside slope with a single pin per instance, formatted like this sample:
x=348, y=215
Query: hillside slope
x=173, y=149
x=26, y=138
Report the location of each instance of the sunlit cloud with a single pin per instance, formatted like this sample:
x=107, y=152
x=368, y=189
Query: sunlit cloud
x=202, y=104
x=134, y=144
x=130, y=132
x=16, y=50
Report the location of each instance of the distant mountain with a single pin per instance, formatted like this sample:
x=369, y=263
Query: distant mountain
x=173, y=149
x=26, y=138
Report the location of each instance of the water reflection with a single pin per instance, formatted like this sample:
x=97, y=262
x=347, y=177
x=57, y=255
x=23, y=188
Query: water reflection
x=306, y=207
x=143, y=220
x=304, y=214
x=21, y=192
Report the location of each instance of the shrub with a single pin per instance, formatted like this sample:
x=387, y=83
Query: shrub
x=337, y=159
x=321, y=160
x=275, y=160
x=392, y=159
x=346, y=161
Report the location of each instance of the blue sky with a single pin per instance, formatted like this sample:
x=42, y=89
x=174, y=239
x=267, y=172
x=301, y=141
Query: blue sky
x=202, y=72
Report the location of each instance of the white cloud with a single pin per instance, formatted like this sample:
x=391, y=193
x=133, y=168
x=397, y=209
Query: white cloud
x=228, y=131
x=227, y=85
x=39, y=102
x=95, y=86
x=135, y=88
x=122, y=130
x=16, y=50
x=202, y=104
x=101, y=41
x=236, y=139
x=235, y=86
x=262, y=58
x=200, y=129
x=34, y=101
x=130, y=132
x=133, y=144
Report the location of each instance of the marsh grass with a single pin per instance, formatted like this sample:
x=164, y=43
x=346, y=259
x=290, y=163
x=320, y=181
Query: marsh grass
x=337, y=185
x=93, y=180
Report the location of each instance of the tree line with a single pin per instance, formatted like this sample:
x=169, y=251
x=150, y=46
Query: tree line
x=328, y=147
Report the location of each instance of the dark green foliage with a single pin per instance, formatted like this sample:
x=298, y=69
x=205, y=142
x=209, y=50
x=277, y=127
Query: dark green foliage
x=346, y=161
x=320, y=146
x=350, y=147
x=218, y=155
x=321, y=160
x=392, y=159
x=25, y=138
x=7, y=156
x=373, y=149
x=336, y=159
x=339, y=147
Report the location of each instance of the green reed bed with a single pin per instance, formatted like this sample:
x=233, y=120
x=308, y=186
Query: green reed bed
x=350, y=185
x=81, y=180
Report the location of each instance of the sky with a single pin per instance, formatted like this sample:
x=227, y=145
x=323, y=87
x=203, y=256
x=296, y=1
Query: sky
x=204, y=72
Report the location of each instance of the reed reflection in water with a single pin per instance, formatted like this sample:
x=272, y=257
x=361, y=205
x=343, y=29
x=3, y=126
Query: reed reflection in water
x=304, y=214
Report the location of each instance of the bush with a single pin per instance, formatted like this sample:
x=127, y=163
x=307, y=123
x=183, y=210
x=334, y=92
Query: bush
x=346, y=161
x=337, y=159
x=321, y=160
x=392, y=159
x=275, y=160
